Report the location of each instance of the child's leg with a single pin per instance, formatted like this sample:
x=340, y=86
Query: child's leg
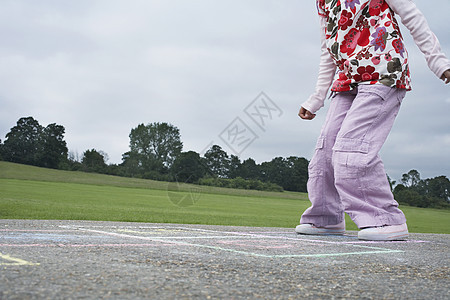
x=326, y=206
x=360, y=177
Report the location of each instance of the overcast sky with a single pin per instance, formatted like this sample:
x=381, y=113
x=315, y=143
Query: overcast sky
x=102, y=67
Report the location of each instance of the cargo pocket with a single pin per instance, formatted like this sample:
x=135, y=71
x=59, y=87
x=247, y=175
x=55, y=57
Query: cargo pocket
x=350, y=157
x=315, y=166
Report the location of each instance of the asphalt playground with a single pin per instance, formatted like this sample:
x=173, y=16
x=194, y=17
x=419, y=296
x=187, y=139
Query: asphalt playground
x=110, y=260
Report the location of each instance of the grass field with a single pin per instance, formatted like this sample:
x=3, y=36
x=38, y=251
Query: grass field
x=28, y=192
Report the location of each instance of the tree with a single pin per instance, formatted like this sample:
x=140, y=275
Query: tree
x=52, y=147
x=299, y=176
x=248, y=169
x=188, y=167
x=275, y=171
x=410, y=197
x=291, y=173
x=411, y=179
x=22, y=142
x=155, y=145
x=399, y=187
x=93, y=161
x=217, y=161
x=30, y=143
x=73, y=162
x=1, y=150
x=235, y=162
x=414, y=191
x=131, y=164
x=438, y=187
x=391, y=182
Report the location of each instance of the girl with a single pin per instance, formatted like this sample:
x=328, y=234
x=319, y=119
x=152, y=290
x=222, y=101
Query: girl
x=365, y=60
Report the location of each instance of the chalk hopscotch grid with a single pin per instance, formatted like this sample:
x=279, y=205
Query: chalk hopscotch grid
x=234, y=235
x=205, y=234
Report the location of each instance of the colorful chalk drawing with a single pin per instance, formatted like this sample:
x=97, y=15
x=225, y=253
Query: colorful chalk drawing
x=155, y=231
x=14, y=261
x=223, y=235
x=264, y=244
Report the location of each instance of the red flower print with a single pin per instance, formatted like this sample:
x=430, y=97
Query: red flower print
x=346, y=20
x=342, y=84
x=364, y=37
x=347, y=67
x=374, y=23
x=376, y=60
x=379, y=39
x=362, y=22
x=340, y=64
x=355, y=38
x=321, y=7
x=398, y=46
x=366, y=74
x=364, y=40
x=377, y=6
x=404, y=80
x=351, y=4
x=400, y=85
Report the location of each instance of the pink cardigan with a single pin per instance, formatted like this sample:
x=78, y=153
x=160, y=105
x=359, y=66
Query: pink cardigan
x=414, y=21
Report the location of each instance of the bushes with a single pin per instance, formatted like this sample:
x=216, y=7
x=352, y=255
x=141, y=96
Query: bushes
x=431, y=192
x=413, y=198
x=240, y=183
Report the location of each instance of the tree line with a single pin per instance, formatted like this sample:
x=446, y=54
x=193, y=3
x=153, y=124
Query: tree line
x=430, y=192
x=156, y=152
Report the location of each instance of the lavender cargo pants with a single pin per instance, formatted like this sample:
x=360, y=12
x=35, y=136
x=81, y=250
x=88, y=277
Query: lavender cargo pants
x=346, y=173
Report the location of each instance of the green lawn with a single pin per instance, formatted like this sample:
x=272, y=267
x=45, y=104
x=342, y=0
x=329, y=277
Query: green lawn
x=35, y=193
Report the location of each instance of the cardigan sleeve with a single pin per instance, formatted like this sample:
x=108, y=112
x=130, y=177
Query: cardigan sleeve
x=415, y=22
x=327, y=69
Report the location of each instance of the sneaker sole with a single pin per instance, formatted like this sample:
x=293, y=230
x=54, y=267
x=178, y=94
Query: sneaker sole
x=320, y=231
x=395, y=236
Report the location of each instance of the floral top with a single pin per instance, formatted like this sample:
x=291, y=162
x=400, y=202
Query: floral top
x=364, y=41
x=366, y=46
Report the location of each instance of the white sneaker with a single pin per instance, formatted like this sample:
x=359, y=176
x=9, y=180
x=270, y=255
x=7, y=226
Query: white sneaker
x=310, y=229
x=384, y=233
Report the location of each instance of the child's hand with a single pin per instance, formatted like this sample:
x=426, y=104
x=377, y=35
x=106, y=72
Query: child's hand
x=446, y=76
x=307, y=115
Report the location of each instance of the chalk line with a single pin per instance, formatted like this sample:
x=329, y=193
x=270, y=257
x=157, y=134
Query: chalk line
x=374, y=250
x=15, y=261
x=81, y=245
